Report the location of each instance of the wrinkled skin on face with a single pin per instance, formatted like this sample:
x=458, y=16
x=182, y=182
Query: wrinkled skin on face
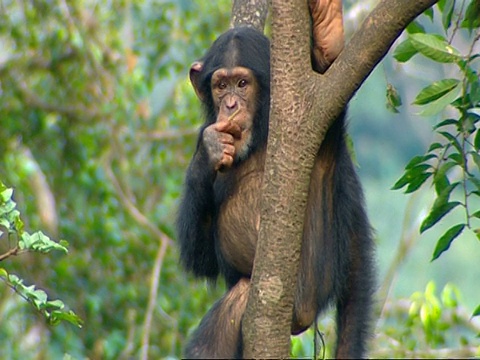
x=219, y=212
x=234, y=92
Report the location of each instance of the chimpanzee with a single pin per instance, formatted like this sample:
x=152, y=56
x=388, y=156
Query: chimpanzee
x=218, y=217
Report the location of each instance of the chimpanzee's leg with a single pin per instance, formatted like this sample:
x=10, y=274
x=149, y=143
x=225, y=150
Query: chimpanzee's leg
x=355, y=303
x=219, y=332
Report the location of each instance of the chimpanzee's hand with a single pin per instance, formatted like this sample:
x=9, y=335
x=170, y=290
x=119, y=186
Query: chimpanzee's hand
x=218, y=140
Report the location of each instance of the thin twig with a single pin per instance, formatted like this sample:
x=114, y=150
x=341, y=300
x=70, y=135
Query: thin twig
x=11, y=252
x=132, y=210
x=164, y=242
x=152, y=297
x=407, y=240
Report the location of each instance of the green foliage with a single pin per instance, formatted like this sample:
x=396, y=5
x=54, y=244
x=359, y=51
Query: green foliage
x=451, y=162
x=53, y=310
x=98, y=123
x=426, y=324
x=438, y=90
x=39, y=242
x=393, y=99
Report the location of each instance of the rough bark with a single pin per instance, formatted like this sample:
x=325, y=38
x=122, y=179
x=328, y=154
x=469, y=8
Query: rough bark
x=249, y=13
x=303, y=105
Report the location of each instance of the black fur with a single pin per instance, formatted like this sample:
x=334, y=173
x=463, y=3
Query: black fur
x=217, y=214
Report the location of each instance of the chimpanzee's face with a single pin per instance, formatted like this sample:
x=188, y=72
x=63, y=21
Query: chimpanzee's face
x=234, y=93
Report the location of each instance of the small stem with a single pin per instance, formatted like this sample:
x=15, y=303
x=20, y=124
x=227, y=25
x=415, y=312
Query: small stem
x=9, y=253
x=230, y=118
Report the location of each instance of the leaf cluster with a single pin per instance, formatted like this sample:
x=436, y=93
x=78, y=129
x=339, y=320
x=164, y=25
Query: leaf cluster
x=53, y=310
x=452, y=162
x=429, y=324
x=98, y=116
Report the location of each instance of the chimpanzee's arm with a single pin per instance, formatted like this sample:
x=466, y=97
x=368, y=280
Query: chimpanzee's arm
x=195, y=216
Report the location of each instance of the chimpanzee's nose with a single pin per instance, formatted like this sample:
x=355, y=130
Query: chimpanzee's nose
x=231, y=103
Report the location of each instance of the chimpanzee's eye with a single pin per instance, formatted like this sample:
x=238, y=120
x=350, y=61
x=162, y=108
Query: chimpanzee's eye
x=242, y=83
x=221, y=85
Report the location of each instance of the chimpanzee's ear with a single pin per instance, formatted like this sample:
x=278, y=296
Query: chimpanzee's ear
x=195, y=71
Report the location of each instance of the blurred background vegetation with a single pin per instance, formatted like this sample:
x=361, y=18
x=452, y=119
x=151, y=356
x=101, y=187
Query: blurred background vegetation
x=97, y=125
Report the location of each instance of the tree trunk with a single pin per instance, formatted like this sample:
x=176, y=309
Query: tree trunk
x=249, y=13
x=303, y=106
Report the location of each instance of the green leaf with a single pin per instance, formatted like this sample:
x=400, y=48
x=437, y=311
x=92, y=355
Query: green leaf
x=39, y=242
x=435, y=146
x=476, y=158
x=458, y=158
x=404, y=51
x=477, y=233
x=475, y=91
x=417, y=182
x=55, y=305
x=4, y=223
x=437, y=213
x=468, y=122
x=476, y=141
x=452, y=139
x=437, y=106
x=474, y=113
x=25, y=241
x=64, y=243
x=419, y=159
x=447, y=13
x=435, y=91
x=52, y=310
x=450, y=296
x=6, y=195
x=476, y=312
x=393, y=99
x=425, y=316
x=435, y=47
x=440, y=179
x=57, y=316
x=444, y=195
x=414, y=27
x=472, y=15
x=411, y=174
x=445, y=123
x=7, y=207
x=446, y=240
x=38, y=298
x=429, y=13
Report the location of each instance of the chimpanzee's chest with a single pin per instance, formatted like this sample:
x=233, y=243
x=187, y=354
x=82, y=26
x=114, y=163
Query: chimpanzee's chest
x=238, y=218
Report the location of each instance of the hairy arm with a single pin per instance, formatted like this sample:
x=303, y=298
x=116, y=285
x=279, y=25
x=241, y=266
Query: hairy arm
x=195, y=216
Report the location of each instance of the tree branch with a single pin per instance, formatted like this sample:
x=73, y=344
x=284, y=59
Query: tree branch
x=298, y=124
x=249, y=13
x=364, y=51
x=9, y=253
x=34, y=101
x=286, y=177
x=164, y=241
x=152, y=297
